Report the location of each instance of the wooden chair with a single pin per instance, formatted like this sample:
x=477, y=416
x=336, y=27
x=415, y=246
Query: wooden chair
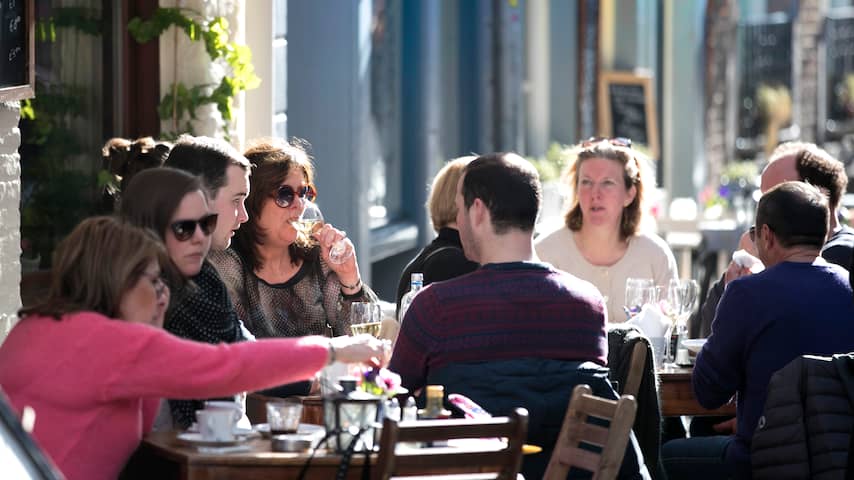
x=452, y=462
x=610, y=441
x=636, y=368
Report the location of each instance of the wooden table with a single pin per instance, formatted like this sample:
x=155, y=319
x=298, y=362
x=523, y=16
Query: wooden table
x=677, y=395
x=161, y=456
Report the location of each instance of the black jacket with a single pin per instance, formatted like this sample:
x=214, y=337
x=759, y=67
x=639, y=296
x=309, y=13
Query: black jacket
x=621, y=343
x=805, y=430
x=542, y=386
x=442, y=259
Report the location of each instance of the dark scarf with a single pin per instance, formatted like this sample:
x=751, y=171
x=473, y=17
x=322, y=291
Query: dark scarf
x=202, y=311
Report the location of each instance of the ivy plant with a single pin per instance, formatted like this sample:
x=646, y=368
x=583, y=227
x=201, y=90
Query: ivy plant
x=214, y=33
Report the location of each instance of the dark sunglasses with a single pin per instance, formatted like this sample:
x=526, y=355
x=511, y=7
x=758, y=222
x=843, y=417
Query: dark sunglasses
x=285, y=195
x=616, y=141
x=184, y=229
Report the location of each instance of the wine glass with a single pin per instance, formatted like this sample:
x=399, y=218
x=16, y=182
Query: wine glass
x=365, y=317
x=311, y=221
x=638, y=293
x=683, y=295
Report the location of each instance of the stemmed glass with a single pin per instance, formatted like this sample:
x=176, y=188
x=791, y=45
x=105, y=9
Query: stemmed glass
x=311, y=221
x=365, y=317
x=639, y=292
x=682, y=296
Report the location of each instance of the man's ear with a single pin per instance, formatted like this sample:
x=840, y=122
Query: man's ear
x=479, y=213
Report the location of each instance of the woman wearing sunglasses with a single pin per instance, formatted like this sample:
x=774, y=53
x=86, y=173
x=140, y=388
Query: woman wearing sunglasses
x=171, y=203
x=602, y=239
x=92, y=361
x=281, y=280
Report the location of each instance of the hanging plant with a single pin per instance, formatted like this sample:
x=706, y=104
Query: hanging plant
x=214, y=33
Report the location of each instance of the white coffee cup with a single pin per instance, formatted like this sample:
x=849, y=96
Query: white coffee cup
x=217, y=424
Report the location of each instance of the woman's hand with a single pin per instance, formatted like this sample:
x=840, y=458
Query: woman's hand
x=348, y=271
x=360, y=349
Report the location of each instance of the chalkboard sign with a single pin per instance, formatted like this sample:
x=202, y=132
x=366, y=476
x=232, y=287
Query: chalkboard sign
x=626, y=109
x=764, y=59
x=17, y=50
x=839, y=73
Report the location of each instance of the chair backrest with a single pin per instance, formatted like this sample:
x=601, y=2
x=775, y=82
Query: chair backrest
x=502, y=461
x=610, y=441
x=638, y=362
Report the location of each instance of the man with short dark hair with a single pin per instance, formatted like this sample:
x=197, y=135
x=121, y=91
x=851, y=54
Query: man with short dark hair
x=515, y=332
x=800, y=304
x=806, y=162
x=792, y=161
x=225, y=174
x=205, y=313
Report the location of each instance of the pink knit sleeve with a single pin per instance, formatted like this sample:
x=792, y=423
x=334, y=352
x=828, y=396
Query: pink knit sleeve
x=152, y=362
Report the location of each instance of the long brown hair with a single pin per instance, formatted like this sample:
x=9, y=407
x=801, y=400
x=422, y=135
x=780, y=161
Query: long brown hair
x=272, y=160
x=635, y=173
x=95, y=265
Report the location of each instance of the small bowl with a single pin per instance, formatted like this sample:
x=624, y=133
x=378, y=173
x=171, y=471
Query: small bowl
x=292, y=443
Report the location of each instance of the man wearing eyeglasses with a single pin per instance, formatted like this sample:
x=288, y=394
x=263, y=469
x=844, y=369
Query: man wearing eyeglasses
x=800, y=304
x=792, y=161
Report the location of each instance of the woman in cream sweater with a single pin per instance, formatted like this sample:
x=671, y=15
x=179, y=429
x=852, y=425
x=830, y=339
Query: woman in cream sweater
x=602, y=241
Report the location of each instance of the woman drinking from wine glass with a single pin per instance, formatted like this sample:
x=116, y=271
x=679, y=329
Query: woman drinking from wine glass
x=289, y=274
x=602, y=241
x=93, y=362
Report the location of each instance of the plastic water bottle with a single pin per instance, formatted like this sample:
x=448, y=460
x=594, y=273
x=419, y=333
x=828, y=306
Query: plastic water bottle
x=392, y=409
x=416, y=283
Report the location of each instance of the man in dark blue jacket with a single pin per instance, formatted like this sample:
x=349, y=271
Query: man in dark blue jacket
x=800, y=304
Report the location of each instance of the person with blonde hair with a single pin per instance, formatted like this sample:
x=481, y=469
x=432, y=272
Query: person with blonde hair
x=443, y=258
x=93, y=362
x=602, y=241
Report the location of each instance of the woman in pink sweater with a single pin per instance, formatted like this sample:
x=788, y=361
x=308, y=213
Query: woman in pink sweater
x=93, y=361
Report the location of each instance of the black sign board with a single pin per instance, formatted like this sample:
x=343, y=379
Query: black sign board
x=626, y=109
x=839, y=38
x=17, y=47
x=765, y=60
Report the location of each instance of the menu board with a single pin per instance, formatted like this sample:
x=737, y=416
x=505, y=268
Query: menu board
x=17, y=47
x=626, y=109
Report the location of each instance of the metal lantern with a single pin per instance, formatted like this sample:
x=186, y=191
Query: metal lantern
x=348, y=417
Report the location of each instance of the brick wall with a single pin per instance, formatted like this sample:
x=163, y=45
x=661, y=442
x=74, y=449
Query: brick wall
x=10, y=216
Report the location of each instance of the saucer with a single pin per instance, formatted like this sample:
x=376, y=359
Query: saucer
x=196, y=439
x=303, y=429
x=238, y=431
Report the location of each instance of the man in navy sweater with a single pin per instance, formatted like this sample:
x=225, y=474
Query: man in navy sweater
x=800, y=304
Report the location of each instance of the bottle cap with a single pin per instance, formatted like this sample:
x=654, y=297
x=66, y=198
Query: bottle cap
x=417, y=278
x=435, y=390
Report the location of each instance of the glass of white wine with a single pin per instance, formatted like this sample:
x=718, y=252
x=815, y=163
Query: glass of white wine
x=365, y=317
x=311, y=221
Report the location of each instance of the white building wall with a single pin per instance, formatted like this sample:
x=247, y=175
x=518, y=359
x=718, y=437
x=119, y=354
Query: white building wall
x=10, y=217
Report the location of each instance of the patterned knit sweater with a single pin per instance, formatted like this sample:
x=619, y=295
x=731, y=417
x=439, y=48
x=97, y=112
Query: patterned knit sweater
x=499, y=312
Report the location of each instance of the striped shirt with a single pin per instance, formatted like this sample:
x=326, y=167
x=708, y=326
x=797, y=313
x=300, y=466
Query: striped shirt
x=499, y=312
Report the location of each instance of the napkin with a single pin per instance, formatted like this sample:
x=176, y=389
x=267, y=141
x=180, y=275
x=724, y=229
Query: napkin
x=748, y=261
x=651, y=321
